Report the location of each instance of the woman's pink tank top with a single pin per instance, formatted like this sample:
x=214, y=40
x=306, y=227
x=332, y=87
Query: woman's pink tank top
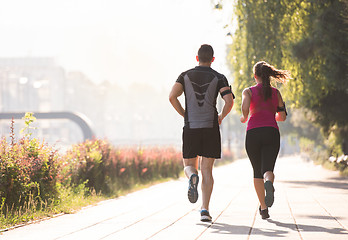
x=262, y=112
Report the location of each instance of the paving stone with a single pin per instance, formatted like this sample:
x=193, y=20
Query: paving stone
x=310, y=203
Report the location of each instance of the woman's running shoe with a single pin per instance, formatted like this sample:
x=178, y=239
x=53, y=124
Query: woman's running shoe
x=264, y=213
x=269, y=198
x=192, y=190
x=205, y=216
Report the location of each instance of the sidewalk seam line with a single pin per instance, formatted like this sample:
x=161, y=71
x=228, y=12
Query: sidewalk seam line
x=329, y=213
x=228, y=205
x=171, y=223
x=92, y=225
x=142, y=219
x=252, y=224
x=292, y=215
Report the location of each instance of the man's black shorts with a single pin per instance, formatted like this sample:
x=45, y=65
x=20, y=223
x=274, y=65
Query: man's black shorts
x=205, y=142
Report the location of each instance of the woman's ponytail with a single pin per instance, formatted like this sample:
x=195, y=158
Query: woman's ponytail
x=264, y=70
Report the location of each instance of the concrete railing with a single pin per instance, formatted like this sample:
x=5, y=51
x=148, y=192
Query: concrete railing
x=82, y=121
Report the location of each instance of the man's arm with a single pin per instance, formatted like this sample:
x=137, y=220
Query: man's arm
x=176, y=92
x=228, y=99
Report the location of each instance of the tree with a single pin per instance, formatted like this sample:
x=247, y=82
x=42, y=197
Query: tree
x=307, y=37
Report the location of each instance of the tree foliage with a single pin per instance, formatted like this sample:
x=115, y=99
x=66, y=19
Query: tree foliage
x=307, y=37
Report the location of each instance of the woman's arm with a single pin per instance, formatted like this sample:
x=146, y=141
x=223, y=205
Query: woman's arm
x=246, y=98
x=281, y=112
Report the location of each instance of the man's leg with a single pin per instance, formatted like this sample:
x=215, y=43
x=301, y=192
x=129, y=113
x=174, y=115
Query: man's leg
x=207, y=180
x=190, y=166
x=191, y=172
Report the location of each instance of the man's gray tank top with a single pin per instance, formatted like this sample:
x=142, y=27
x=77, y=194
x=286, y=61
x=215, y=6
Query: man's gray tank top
x=201, y=87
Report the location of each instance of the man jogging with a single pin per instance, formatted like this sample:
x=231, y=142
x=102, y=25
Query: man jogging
x=201, y=134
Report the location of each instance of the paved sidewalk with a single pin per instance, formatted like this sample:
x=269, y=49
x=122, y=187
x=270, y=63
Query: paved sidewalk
x=310, y=203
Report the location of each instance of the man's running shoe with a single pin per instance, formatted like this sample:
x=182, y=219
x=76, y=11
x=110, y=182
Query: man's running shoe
x=205, y=216
x=192, y=190
x=264, y=213
x=269, y=198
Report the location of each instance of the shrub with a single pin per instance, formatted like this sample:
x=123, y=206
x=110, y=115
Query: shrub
x=28, y=168
x=87, y=163
x=107, y=169
x=35, y=177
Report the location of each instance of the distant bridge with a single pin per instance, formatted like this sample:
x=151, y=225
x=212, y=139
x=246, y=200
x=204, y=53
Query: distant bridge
x=82, y=121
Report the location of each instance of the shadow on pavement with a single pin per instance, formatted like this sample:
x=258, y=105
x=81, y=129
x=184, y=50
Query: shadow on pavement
x=324, y=217
x=326, y=184
x=224, y=228
x=341, y=178
x=309, y=228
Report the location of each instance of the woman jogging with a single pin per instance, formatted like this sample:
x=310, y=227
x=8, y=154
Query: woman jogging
x=262, y=141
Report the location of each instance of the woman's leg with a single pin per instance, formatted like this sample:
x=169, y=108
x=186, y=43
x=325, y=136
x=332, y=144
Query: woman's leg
x=253, y=148
x=269, y=176
x=270, y=152
x=260, y=191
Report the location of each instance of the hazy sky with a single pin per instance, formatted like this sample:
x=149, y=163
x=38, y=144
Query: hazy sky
x=121, y=41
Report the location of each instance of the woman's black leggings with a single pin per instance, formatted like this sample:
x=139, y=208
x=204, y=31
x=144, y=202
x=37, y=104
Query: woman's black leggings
x=262, y=146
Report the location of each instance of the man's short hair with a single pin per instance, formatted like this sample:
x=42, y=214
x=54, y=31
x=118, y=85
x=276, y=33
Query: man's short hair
x=205, y=53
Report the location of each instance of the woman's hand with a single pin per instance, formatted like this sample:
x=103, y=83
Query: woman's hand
x=243, y=119
x=220, y=118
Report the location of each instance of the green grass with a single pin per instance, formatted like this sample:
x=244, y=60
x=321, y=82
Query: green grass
x=70, y=201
